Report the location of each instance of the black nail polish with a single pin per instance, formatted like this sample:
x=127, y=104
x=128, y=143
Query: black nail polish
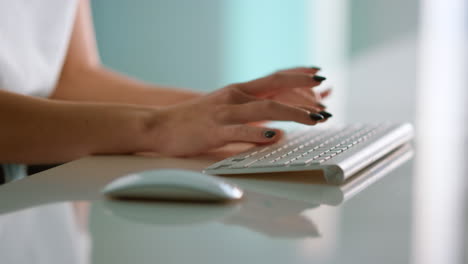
x=319, y=78
x=316, y=117
x=321, y=105
x=316, y=68
x=269, y=134
x=325, y=114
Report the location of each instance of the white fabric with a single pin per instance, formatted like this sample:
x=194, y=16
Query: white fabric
x=34, y=36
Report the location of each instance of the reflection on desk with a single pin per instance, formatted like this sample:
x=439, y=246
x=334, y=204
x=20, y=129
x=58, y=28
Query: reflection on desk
x=47, y=234
x=35, y=220
x=273, y=208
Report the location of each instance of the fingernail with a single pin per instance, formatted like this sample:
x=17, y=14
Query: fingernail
x=325, y=114
x=269, y=134
x=321, y=105
x=315, y=116
x=316, y=68
x=319, y=78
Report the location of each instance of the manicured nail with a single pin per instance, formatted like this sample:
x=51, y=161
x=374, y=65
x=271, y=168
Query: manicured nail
x=316, y=68
x=269, y=134
x=325, y=114
x=316, y=117
x=321, y=105
x=319, y=78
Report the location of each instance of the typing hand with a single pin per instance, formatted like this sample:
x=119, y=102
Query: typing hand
x=223, y=116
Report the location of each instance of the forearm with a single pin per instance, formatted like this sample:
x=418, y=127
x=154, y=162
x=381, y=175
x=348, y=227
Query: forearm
x=99, y=84
x=46, y=131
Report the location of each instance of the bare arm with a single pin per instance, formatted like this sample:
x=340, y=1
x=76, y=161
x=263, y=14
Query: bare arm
x=106, y=120
x=83, y=78
x=47, y=131
x=34, y=130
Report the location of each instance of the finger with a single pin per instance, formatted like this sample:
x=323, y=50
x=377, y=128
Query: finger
x=307, y=95
x=317, y=110
x=319, y=96
x=309, y=70
x=263, y=110
x=325, y=114
x=320, y=106
x=316, y=99
x=310, y=108
x=280, y=82
x=310, y=95
x=295, y=96
x=246, y=133
x=326, y=93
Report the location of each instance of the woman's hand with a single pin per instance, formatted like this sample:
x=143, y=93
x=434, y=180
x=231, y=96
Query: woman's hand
x=303, y=95
x=223, y=116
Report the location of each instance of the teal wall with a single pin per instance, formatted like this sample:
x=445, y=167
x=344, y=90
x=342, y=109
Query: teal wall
x=175, y=42
x=201, y=44
x=262, y=36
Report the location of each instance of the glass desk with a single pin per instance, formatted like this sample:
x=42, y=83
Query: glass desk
x=281, y=220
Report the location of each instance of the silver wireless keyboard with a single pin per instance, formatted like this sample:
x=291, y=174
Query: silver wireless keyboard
x=339, y=151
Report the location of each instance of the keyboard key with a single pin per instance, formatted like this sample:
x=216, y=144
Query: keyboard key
x=250, y=163
x=222, y=166
x=303, y=162
x=250, y=154
x=266, y=164
x=243, y=164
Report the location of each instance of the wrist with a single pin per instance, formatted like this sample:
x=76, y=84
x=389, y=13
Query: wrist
x=149, y=129
x=122, y=129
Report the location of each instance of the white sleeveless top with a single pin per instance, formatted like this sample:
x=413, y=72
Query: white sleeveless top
x=34, y=36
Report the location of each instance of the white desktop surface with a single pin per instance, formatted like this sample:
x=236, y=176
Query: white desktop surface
x=265, y=227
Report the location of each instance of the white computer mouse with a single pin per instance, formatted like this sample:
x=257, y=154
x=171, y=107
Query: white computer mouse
x=172, y=184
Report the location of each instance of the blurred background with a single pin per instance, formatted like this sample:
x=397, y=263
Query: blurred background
x=207, y=44
x=399, y=60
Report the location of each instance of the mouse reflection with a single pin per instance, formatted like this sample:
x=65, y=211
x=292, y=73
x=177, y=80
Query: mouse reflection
x=151, y=212
x=273, y=216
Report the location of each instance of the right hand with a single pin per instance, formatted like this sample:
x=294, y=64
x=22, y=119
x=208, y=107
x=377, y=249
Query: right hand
x=223, y=116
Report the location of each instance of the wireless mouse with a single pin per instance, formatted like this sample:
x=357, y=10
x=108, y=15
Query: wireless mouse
x=172, y=184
